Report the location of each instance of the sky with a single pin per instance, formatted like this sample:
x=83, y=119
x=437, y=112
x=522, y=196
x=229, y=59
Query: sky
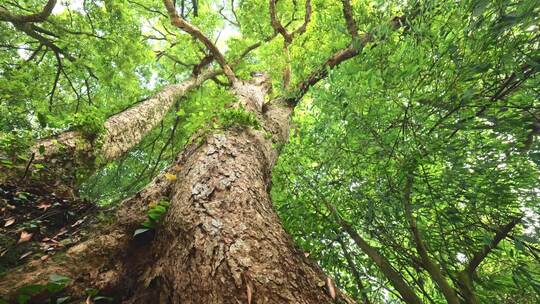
x=76, y=5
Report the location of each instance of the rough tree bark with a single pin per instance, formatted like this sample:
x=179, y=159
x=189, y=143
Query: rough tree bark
x=221, y=240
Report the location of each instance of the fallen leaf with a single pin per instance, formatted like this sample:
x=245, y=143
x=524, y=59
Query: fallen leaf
x=25, y=237
x=9, y=222
x=140, y=231
x=77, y=223
x=44, y=206
x=170, y=177
x=25, y=255
x=44, y=258
x=331, y=288
x=306, y=254
x=61, y=232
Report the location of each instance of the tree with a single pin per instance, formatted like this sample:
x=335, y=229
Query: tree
x=213, y=235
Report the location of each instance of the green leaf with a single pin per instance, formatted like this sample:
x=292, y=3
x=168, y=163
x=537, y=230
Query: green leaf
x=154, y=216
x=480, y=6
x=31, y=289
x=59, y=279
x=102, y=298
x=23, y=299
x=55, y=287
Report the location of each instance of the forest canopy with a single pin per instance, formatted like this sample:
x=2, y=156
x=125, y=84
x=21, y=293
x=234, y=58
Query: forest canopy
x=265, y=151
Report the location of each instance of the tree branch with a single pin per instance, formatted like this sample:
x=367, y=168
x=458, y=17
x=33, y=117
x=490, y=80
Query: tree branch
x=235, y=15
x=307, y=18
x=352, y=267
x=288, y=37
x=431, y=267
x=5, y=15
x=182, y=24
x=480, y=255
x=465, y=277
x=349, y=19
x=56, y=80
x=401, y=286
x=235, y=23
x=342, y=55
x=278, y=27
x=276, y=24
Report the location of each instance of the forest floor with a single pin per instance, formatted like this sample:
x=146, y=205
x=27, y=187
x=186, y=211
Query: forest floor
x=35, y=223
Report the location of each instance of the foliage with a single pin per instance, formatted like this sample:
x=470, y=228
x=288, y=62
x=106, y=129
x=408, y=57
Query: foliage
x=238, y=117
x=155, y=214
x=13, y=145
x=48, y=293
x=90, y=124
x=431, y=95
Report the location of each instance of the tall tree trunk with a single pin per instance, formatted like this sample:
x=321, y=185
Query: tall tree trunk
x=221, y=240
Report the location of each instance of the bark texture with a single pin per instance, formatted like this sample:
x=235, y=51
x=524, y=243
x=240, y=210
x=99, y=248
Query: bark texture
x=221, y=240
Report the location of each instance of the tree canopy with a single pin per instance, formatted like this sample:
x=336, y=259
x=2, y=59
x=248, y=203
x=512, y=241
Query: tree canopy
x=412, y=167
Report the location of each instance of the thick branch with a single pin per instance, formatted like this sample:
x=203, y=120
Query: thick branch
x=465, y=277
x=121, y=136
x=73, y=150
x=278, y=27
x=276, y=24
x=5, y=15
x=349, y=19
x=431, y=267
x=502, y=233
x=182, y=24
x=125, y=130
x=385, y=267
